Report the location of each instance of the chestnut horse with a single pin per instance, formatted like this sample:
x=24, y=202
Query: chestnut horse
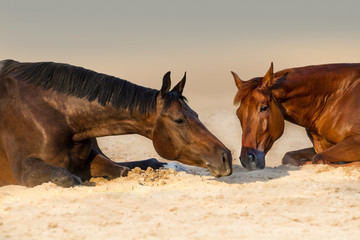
x=323, y=99
x=51, y=114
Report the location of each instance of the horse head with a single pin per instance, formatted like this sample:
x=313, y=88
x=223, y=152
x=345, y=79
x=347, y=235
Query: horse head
x=178, y=134
x=260, y=117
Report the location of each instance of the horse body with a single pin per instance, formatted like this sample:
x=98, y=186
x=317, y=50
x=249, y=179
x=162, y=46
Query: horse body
x=321, y=98
x=50, y=118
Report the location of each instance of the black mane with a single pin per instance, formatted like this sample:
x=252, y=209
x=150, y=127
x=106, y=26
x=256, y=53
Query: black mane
x=84, y=83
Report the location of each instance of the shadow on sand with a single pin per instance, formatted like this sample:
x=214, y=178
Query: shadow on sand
x=241, y=175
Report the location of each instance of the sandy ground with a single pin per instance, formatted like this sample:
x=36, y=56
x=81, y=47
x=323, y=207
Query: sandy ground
x=279, y=202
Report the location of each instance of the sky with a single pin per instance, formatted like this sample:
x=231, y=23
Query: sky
x=141, y=40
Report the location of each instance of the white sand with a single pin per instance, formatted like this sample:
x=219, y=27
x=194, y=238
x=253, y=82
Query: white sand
x=279, y=202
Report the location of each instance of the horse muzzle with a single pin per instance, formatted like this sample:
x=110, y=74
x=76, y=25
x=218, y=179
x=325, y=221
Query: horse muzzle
x=225, y=166
x=252, y=159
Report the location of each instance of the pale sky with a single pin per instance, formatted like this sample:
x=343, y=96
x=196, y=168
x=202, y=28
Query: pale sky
x=141, y=40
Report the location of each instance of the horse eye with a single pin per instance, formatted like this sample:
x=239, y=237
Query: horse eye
x=263, y=108
x=179, y=121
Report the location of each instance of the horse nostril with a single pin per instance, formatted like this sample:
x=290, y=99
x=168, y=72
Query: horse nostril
x=224, y=158
x=251, y=157
x=227, y=163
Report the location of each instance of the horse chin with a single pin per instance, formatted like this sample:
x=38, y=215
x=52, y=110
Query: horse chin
x=204, y=164
x=226, y=171
x=216, y=173
x=219, y=164
x=250, y=166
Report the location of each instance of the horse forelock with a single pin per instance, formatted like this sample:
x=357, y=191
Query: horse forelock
x=84, y=83
x=246, y=88
x=171, y=97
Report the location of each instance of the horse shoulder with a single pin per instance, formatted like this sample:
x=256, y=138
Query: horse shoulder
x=341, y=116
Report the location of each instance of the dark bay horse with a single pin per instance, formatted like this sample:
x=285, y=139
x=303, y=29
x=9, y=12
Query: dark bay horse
x=323, y=99
x=51, y=114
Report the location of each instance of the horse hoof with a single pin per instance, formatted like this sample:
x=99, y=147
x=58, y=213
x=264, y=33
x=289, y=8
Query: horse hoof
x=124, y=171
x=177, y=167
x=63, y=179
x=77, y=180
x=293, y=161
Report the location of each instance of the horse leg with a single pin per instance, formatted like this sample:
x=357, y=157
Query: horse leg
x=302, y=156
x=35, y=172
x=299, y=157
x=102, y=166
x=154, y=164
x=346, y=151
x=343, y=164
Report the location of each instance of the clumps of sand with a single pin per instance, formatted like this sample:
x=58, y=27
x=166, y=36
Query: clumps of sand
x=151, y=177
x=148, y=177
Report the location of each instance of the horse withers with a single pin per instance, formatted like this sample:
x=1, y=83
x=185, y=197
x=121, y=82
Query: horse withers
x=51, y=114
x=323, y=99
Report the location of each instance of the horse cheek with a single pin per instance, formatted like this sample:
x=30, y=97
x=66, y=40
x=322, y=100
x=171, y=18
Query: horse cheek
x=162, y=142
x=277, y=124
x=264, y=125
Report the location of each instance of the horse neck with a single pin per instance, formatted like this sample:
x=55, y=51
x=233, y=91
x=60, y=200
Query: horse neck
x=91, y=119
x=303, y=97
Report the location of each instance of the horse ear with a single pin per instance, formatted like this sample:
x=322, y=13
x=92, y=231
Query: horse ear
x=180, y=86
x=165, y=85
x=268, y=79
x=238, y=81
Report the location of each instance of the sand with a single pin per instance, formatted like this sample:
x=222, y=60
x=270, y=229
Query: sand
x=279, y=202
